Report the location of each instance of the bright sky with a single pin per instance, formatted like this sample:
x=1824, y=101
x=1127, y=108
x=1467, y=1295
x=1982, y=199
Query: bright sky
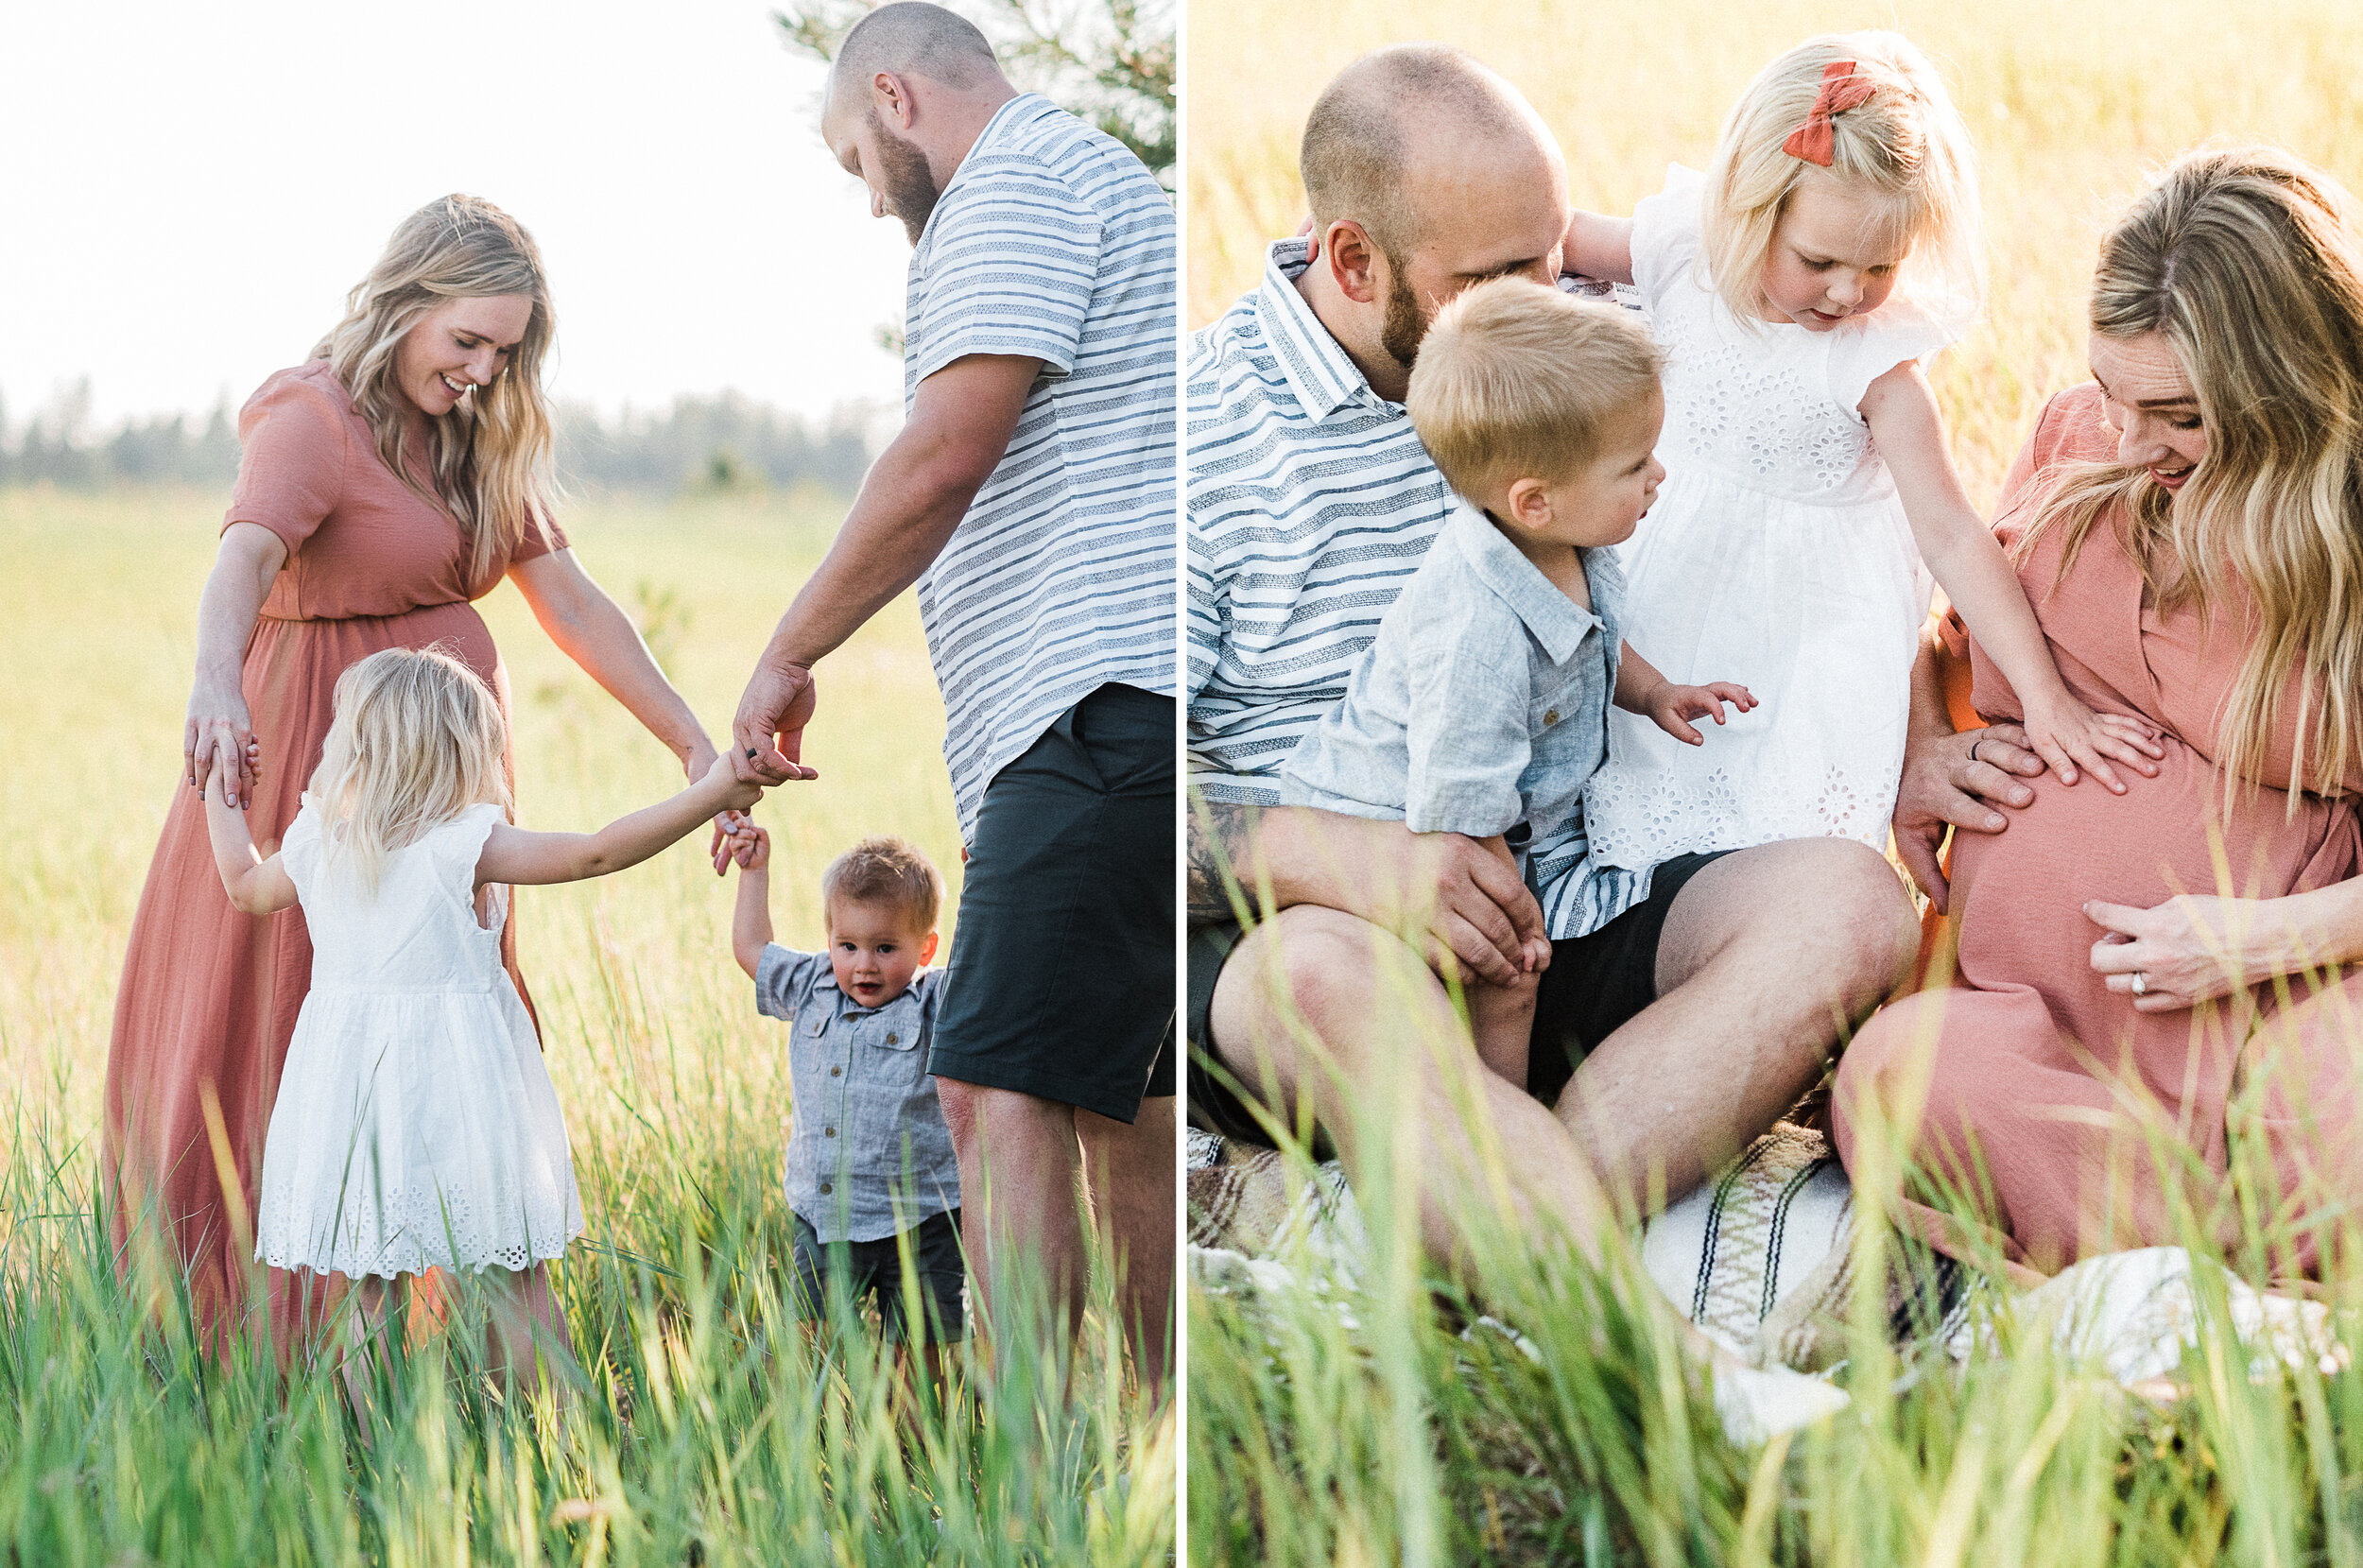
x=188, y=190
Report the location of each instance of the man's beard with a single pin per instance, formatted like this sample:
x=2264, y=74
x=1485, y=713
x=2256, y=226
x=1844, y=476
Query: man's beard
x=911, y=191
x=1404, y=326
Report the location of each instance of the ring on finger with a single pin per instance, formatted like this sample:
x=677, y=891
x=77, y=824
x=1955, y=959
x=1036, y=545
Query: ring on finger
x=1973, y=747
x=2141, y=984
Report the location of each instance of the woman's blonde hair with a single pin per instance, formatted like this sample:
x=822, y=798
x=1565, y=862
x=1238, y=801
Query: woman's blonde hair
x=1904, y=145
x=491, y=462
x=1516, y=381
x=2246, y=261
x=417, y=740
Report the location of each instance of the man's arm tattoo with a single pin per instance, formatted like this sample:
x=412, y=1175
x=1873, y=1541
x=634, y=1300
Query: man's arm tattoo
x=1220, y=832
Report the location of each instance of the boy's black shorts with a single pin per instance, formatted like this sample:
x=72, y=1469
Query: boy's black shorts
x=876, y=1268
x=1061, y=977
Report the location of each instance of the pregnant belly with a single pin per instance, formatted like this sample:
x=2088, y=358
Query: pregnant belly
x=292, y=666
x=2019, y=895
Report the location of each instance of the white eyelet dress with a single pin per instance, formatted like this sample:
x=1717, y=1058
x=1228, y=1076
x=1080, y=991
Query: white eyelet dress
x=416, y=1125
x=1777, y=554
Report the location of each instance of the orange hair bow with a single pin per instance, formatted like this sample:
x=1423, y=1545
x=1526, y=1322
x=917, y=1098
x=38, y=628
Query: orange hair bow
x=1841, y=89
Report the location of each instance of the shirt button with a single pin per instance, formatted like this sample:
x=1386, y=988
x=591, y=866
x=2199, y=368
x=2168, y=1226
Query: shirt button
x=893, y=1039
x=836, y=1071
x=1551, y=717
x=825, y=1187
x=828, y=1133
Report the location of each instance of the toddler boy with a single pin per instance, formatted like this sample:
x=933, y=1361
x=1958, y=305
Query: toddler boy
x=869, y=1160
x=1482, y=706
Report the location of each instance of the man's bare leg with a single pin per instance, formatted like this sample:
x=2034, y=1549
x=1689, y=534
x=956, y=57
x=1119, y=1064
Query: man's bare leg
x=1766, y=956
x=1130, y=1170
x=1030, y=1212
x=1313, y=1000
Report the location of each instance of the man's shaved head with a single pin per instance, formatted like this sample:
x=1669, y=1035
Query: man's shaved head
x=1373, y=123
x=914, y=38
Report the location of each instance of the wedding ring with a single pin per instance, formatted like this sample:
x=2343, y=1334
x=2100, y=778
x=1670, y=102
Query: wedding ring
x=2141, y=984
x=1973, y=747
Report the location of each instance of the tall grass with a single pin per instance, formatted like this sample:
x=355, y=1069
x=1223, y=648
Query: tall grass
x=697, y=1423
x=1541, y=1415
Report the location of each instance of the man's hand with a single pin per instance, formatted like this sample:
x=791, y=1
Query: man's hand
x=1956, y=781
x=769, y=734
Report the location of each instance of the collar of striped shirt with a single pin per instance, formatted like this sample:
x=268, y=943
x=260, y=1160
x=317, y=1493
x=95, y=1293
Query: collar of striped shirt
x=1310, y=503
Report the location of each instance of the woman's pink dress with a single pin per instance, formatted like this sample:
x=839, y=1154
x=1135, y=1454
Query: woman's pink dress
x=209, y=995
x=2050, y=1074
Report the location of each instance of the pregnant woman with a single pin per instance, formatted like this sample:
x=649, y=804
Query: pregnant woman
x=2140, y=975
x=401, y=473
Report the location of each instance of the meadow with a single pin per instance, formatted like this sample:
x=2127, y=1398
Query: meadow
x=699, y=1426
x=1390, y=1420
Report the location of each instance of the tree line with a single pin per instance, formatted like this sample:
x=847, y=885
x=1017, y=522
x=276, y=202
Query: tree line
x=721, y=442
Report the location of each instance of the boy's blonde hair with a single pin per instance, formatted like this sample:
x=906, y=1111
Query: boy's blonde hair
x=417, y=740
x=884, y=871
x=1519, y=381
x=1906, y=143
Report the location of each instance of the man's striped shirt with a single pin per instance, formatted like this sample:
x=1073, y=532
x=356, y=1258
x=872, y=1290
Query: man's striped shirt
x=1310, y=504
x=1052, y=241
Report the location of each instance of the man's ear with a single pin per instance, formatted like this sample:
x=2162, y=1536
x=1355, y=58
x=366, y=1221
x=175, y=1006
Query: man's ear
x=1353, y=260
x=891, y=93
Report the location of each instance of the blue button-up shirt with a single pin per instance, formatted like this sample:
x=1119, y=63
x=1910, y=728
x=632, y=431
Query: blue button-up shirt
x=1482, y=706
x=868, y=1153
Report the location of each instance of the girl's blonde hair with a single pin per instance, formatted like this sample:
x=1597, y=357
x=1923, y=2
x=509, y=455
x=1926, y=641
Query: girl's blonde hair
x=493, y=463
x=2246, y=261
x=1906, y=144
x=417, y=740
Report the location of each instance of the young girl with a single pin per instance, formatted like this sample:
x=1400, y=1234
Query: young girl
x=415, y=1125
x=1796, y=290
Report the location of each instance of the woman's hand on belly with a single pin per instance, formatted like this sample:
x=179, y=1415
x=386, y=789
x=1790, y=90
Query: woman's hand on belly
x=2197, y=947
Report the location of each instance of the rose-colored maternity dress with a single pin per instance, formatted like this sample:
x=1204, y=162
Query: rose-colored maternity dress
x=2051, y=1072
x=209, y=995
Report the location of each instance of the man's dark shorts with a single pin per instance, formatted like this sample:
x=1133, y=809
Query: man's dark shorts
x=1594, y=984
x=874, y=1269
x=1061, y=977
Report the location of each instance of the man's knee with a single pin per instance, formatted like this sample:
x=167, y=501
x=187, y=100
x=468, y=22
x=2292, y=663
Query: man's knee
x=1855, y=904
x=1308, y=970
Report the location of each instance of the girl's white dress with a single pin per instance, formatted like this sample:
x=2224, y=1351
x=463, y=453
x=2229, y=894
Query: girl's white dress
x=415, y=1125
x=1777, y=556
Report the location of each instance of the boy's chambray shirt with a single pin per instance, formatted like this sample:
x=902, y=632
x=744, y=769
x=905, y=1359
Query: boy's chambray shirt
x=863, y=1093
x=1308, y=503
x=1482, y=706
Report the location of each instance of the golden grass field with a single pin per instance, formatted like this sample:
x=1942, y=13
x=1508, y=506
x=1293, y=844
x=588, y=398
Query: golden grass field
x=702, y=1427
x=2069, y=104
x=98, y=651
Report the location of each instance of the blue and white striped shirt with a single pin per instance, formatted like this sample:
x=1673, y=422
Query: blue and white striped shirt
x=1052, y=241
x=1310, y=503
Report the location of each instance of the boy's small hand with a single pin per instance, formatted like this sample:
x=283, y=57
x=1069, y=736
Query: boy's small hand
x=1672, y=706
x=752, y=849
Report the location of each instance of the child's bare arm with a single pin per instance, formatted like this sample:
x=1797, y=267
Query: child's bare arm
x=1642, y=689
x=257, y=886
x=1962, y=554
x=514, y=855
x=1599, y=246
x=750, y=922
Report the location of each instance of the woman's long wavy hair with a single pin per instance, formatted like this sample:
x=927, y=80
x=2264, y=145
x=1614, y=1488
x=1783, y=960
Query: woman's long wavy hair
x=417, y=740
x=491, y=457
x=1906, y=146
x=2245, y=260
